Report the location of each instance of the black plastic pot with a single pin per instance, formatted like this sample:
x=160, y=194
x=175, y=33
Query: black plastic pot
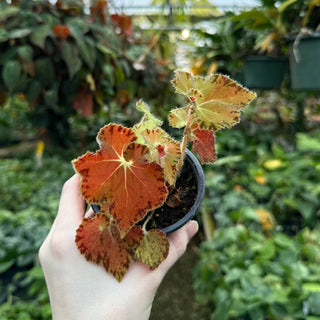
x=305, y=63
x=264, y=72
x=198, y=174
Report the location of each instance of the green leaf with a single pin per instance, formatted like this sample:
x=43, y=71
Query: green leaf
x=178, y=117
x=7, y=12
x=78, y=27
x=4, y=36
x=88, y=52
x=222, y=310
x=25, y=53
x=307, y=143
x=5, y=265
x=104, y=49
x=283, y=240
x=267, y=252
x=51, y=97
x=33, y=90
x=19, y=33
x=284, y=5
x=11, y=74
x=313, y=304
x=256, y=313
x=148, y=116
x=311, y=287
x=45, y=72
x=70, y=55
x=39, y=35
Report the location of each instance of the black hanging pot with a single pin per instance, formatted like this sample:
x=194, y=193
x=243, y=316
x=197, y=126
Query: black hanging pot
x=182, y=202
x=264, y=72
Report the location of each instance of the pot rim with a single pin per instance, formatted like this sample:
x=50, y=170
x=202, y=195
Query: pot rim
x=199, y=175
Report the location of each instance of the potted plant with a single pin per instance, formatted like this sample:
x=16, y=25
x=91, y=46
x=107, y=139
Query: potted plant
x=267, y=64
x=139, y=172
x=305, y=50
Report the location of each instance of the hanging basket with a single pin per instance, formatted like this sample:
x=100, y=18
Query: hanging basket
x=264, y=72
x=305, y=63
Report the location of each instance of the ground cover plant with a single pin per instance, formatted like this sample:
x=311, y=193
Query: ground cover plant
x=245, y=274
x=29, y=202
x=261, y=261
x=135, y=168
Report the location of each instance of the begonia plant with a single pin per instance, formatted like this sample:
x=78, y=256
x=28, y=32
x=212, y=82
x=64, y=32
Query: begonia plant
x=136, y=168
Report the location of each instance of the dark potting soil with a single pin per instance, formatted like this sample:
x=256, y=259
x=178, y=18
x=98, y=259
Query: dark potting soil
x=179, y=201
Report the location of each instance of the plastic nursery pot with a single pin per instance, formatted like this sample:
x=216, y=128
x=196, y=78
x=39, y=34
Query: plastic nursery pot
x=305, y=63
x=190, y=187
x=264, y=72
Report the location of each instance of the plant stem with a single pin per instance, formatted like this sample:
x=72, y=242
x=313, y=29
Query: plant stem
x=144, y=227
x=186, y=133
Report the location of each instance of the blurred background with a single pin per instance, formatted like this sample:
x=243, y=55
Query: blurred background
x=68, y=67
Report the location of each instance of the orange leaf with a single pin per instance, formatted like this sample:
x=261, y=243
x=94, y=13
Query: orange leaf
x=99, y=241
x=203, y=144
x=99, y=8
x=61, y=31
x=260, y=179
x=266, y=218
x=218, y=99
x=119, y=177
x=153, y=248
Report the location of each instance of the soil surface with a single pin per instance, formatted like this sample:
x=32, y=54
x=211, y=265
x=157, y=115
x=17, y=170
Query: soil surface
x=179, y=201
x=175, y=297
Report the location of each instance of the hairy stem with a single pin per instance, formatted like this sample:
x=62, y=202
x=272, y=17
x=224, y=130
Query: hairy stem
x=186, y=134
x=144, y=227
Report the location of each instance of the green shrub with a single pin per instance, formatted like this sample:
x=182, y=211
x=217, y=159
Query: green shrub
x=285, y=183
x=243, y=274
x=62, y=60
x=29, y=201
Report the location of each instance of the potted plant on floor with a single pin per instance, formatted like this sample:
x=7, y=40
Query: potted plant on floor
x=139, y=172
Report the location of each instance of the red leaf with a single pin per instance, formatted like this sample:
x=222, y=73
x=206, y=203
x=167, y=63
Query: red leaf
x=203, y=144
x=153, y=248
x=83, y=102
x=99, y=241
x=61, y=31
x=123, y=22
x=99, y=9
x=119, y=177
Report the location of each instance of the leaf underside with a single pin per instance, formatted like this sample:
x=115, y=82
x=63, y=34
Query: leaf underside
x=203, y=144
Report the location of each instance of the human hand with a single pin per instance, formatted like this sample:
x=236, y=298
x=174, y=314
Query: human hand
x=79, y=289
